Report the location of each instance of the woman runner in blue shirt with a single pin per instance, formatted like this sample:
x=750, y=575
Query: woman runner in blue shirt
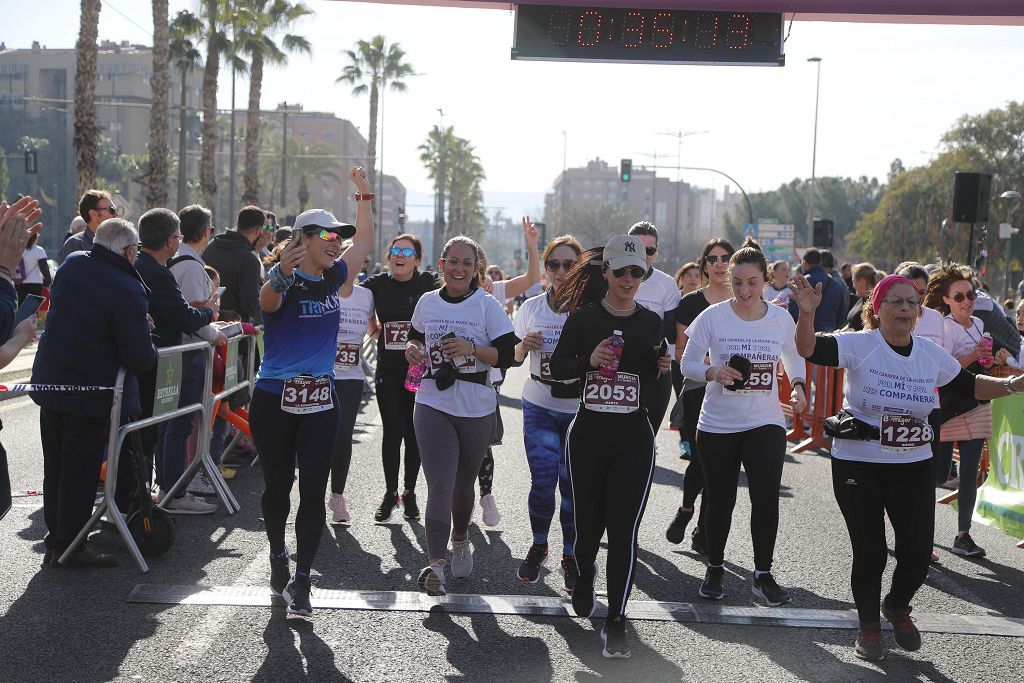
x=294, y=413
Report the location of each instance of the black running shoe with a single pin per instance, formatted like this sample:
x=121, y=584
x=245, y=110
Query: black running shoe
x=569, y=573
x=676, y=531
x=698, y=544
x=412, y=510
x=903, y=628
x=584, y=597
x=613, y=635
x=529, y=570
x=296, y=593
x=712, y=586
x=965, y=546
x=387, y=505
x=767, y=589
x=280, y=572
x=869, y=644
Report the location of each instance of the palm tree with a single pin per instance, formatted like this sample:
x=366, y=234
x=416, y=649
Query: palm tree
x=372, y=67
x=87, y=130
x=156, y=177
x=452, y=163
x=213, y=13
x=258, y=21
x=184, y=30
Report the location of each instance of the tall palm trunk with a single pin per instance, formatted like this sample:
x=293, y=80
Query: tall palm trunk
x=156, y=179
x=371, y=140
x=87, y=131
x=207, y=169
x=252, y=132
x=182, y=138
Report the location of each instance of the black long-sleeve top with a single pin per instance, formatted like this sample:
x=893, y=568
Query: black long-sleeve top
x=589, y=325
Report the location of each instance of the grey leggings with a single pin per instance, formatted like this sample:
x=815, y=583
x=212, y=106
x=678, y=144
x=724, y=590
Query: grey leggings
x=451, y=450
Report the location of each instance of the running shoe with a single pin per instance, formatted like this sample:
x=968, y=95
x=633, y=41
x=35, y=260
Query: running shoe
x=903, y=628
x=489, y=508
x=280, y=572
x=189, y=504
x=684, y=450
x=569, y=573
x=584, y=597
x=613, y=635
x=869, y=644
x=227, y=472
x=676, y=531
x=935, y=556
x=767, y=589
x=698, y=544
x=462, y=559
x=296, y=594
x=339, y=506
x=964, y=545
x=952, y=484
x=529, y=570
x=431, y=579
x=410, y=509
x=201, y=486
x=387, y=506
x=711, y=588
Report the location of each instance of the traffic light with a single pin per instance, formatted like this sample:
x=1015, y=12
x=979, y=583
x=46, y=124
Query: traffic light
x=31, y=160
x=401, y=217
x=626, y=170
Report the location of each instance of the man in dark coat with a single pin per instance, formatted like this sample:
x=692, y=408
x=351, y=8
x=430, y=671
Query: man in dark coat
x=241, y=272
x=97, y=323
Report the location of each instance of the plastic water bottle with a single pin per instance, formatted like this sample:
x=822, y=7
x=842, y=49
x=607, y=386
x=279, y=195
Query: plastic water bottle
x=986, y=340
x=415, y=375
x=617, y=342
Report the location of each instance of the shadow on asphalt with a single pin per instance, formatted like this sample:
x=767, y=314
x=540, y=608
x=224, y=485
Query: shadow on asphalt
x=988, y=581
x=287, y=660
x=489, y=653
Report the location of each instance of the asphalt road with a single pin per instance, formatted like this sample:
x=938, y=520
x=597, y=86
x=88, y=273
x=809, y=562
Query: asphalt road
x=77, y=625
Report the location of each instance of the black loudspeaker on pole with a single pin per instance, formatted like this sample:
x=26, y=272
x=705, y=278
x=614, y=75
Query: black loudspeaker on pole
x=972, y=193
x=823, y=233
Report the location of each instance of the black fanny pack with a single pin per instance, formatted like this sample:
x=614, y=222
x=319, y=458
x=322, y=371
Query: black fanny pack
x=843, y=425
x=446, y=375
x=569, y=389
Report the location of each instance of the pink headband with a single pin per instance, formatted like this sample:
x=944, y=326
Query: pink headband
x=883, y=287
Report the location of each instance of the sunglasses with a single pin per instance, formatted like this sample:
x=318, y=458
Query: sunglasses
x=112, y=209
x=635, y=272
x=553, y=265
x=651, y=251
x=269, y=228
x=407, y=252
x=960, y=296
x=712, y=259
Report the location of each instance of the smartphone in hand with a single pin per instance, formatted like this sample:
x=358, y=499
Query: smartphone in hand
x=28, y=307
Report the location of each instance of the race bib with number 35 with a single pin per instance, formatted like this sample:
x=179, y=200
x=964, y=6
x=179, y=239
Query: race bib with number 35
x=396, y=334
x=619, y=394
x=305, y=394
x=901, y=433
x=347, y=356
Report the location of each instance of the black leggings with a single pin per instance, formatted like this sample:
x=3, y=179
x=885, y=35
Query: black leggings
x=282, y=439
x=866, y=493
x=762, y=452
x=395, y=404
x=610, y=462
x=693, y=479
x=350, y=396
x=656, y=399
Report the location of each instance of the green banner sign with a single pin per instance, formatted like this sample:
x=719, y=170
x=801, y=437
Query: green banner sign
x=231, y=364
x=1001, y=497
x=168, y=384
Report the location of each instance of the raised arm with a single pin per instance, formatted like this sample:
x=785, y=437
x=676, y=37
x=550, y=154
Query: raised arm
x=521, y=283
x=807, y=299
x=362, y=241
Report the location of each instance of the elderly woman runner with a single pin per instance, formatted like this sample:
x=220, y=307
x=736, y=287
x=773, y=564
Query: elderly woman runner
x=882, y=461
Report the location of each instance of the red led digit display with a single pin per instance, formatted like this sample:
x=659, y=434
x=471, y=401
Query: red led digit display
x=547, y=32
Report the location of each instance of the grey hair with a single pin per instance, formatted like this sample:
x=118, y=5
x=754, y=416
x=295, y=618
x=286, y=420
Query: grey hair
x=116, y=234
x=156, y=226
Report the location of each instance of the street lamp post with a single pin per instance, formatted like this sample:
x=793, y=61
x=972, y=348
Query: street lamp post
x=814, y=149
x=1012, y=199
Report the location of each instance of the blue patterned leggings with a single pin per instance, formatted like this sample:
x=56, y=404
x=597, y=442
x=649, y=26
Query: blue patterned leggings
x=544, y=434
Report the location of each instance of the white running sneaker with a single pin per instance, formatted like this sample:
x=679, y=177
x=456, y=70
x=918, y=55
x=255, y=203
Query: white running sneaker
x=490, y=510
x=462, y=559
x=431, y=579
x=190, y=505
x=339, y=507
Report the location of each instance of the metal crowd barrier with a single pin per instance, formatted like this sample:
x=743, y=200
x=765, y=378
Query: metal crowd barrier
x=824, y=391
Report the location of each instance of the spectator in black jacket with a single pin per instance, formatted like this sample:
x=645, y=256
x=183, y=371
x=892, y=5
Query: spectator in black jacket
x=831, y=314
x=14, y=235
x=160, y=234
x=240, y=269
x=97, y=323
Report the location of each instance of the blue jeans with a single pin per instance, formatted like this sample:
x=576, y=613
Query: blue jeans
x=172, y=439
x=217, y=438
x=967, y=496
x=544, y=435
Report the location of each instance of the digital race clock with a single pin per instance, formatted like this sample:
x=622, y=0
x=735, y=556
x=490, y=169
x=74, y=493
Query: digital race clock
x=601, y=34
